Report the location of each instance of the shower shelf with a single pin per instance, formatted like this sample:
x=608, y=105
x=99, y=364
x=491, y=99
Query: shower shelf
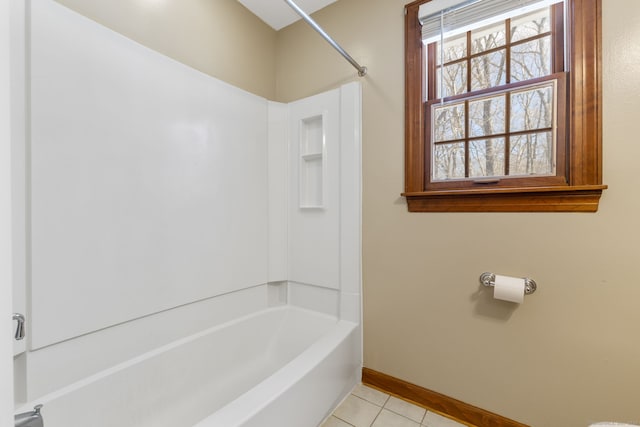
x=312, y=162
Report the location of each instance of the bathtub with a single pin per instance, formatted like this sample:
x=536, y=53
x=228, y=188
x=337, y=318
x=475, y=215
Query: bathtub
x=282, y=366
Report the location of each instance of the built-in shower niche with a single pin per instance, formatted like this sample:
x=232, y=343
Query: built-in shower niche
x=312, y=162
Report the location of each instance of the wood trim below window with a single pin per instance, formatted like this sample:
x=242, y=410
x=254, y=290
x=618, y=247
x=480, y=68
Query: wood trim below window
x=584, y=158
x=531, y=199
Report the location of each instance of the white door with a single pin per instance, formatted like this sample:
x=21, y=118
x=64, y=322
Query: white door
x=6, y=325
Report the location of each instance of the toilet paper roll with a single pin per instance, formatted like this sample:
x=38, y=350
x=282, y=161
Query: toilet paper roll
x=509, y=289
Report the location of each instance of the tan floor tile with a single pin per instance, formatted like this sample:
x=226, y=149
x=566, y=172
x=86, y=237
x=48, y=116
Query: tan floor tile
x=334, y=422
x=391, y=419
x=436, y=420
x=357, y=412
x=370, y=394
x=406, y=409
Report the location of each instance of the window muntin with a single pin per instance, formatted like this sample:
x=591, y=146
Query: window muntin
x=578, y=185
x=482, y=122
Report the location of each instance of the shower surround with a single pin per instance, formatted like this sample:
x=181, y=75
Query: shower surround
x=193, y=250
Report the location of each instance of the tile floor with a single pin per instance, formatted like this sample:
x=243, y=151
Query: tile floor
x=368, y=407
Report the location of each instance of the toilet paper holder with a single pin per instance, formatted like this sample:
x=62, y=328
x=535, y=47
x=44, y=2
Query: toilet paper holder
x=488, y=279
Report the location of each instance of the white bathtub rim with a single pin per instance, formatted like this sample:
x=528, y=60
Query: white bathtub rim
x=246, y=406
x=77, y=385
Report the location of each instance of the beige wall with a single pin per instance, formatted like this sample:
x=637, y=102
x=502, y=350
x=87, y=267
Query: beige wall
x=219, y=37
x=568, y=356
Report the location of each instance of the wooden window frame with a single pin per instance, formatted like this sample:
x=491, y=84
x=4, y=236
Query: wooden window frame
x=582, y=186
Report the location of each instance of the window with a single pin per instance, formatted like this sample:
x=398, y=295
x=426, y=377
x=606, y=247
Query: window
x=496, y=118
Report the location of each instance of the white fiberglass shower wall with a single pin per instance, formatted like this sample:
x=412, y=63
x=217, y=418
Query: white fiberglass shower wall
x=160, y=202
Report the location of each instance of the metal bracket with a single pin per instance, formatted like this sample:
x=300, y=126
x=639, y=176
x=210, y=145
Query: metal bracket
x=20, y=328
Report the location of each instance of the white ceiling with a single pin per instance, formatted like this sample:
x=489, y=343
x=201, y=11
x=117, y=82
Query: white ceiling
x=279, y=14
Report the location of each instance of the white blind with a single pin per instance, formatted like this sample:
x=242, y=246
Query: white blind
x=453, y=16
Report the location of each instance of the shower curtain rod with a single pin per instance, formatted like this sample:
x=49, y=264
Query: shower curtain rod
x=362, y=71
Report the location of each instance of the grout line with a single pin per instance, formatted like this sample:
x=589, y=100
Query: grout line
x=386, y=400
x=404, y=416
x=421, y=423
x=377, y=415
x=452, y=418
x=374, y=403
x=346, y=422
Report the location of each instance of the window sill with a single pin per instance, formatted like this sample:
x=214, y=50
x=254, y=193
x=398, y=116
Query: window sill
x=583, y=198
